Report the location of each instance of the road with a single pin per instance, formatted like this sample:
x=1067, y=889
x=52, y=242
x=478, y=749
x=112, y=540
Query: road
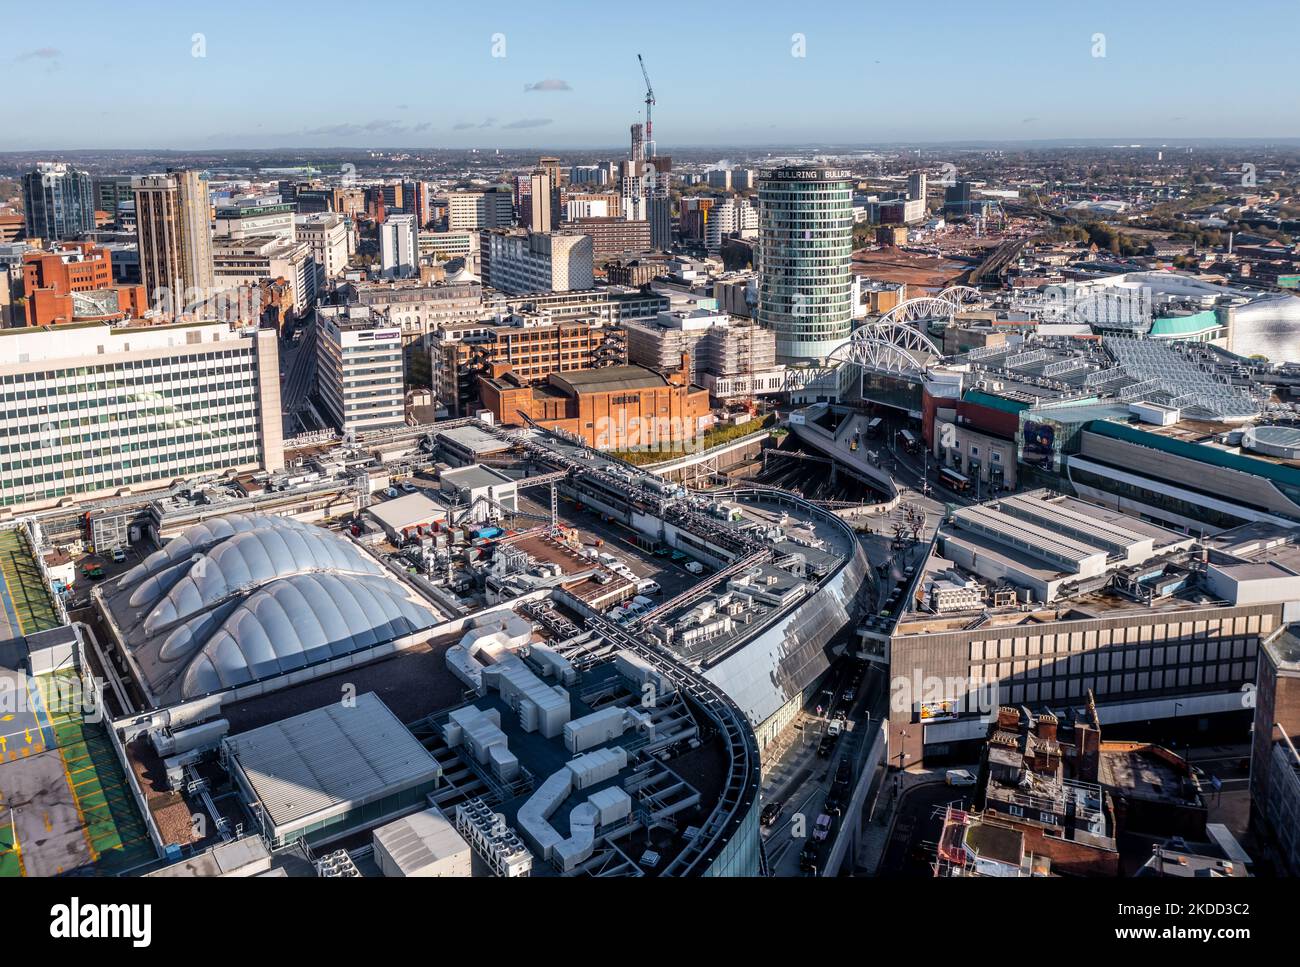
x=801, y=780
x=297, y=373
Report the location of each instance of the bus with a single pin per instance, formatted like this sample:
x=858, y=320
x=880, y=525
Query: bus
x=953, y=480
x=908, y=441
x=874, y=428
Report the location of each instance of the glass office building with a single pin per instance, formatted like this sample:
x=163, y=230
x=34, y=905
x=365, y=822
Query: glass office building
x=59, y=202
x=805, y=288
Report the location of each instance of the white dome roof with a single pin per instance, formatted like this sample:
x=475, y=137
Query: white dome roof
x=243, y=597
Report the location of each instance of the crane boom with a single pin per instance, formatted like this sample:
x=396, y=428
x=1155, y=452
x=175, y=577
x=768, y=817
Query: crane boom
x=649, y=100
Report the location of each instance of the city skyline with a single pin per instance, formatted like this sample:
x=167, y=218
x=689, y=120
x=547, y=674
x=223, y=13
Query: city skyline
x=595, y=442
x=513, y=77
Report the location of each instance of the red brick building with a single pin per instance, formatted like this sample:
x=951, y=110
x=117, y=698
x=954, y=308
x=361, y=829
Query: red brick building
x=611, y=408
x=51, y=278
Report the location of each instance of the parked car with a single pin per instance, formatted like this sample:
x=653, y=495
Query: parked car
x=119, y=555
x=826, y=746
x=808, y=859
x=408, y=487
x=835, y=726
x=771, y=812
x=959, y=777
x=844, y=772
x=822, y=828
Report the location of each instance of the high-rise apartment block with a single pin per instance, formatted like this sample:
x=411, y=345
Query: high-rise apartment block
x=175, y=238
x=916, y=186
x=399, y=247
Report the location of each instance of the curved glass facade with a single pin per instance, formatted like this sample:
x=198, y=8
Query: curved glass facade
x=805, y=287
x=741, y=856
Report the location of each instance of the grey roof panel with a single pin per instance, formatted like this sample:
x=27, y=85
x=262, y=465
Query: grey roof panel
x=330, y=759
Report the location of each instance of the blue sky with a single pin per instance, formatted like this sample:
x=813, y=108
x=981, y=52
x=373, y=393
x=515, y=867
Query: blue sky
x=405, y=74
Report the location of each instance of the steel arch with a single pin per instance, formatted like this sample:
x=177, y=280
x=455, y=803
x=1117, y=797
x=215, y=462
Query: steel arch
x=922, y=307
x=886, y=347
x=959, y=295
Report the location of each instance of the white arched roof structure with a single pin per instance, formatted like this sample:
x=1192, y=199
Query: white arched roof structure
x=888, y=347
x=239, y=598
x=294, y=622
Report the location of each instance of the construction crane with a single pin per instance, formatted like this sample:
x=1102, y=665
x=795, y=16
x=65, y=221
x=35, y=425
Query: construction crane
x=649, y=101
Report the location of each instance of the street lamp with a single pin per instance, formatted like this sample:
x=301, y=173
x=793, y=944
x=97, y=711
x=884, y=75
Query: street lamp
x=902, y=756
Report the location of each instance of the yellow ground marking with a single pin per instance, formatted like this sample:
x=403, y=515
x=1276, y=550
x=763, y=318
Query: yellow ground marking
x=85, y=827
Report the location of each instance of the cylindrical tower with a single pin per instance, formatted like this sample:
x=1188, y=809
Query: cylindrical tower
x=805, y=292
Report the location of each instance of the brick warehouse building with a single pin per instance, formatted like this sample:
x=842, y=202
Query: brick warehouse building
x=612, y=408
x=50, y=279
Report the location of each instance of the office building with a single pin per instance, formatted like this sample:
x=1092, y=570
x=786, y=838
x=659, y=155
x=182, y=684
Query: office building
x=58, y=202
x=114, y=196
x=327, y=235
x=73, y=424
x=443, y=246
x=253, y=262
x=256, y=216
x=74, y=282
x=517, y=262
x=531, y=343
x=900, y=211
x=399, y=247
x=613, y=238
x=584, y=205
x=805, y=292
x=359, y=372
x=492, y=208
x=175, y=238
x=418, y=309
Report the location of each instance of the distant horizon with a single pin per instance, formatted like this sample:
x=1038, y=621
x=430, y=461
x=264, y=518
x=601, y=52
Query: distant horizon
x=1118, y=143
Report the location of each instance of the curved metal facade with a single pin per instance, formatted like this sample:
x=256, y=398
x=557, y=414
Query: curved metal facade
x=764, y=674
